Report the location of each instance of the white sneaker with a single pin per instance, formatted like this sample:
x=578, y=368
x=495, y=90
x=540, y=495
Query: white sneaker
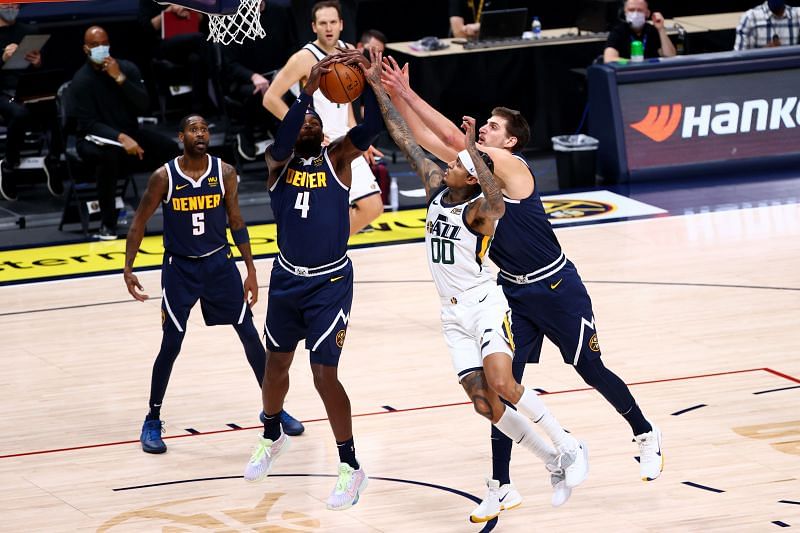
x=575, y=464
x=561, y=492
x=651, y=460
x=348, y=489
x=264, y=455
x=498, y=498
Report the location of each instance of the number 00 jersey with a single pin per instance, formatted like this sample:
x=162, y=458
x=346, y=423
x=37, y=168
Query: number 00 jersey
x=455, y=252
x=194, y=211
x=312, y=212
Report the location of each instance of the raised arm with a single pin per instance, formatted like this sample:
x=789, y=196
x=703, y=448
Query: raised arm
x=492, y=207
x=239, y=231
x=292, y=72
x=427, y=170
x=441, y=127
x=156, y=191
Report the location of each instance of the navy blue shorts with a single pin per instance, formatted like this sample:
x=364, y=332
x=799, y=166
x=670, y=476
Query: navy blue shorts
x=557, y=307
x=314, y=308
x=214, y=280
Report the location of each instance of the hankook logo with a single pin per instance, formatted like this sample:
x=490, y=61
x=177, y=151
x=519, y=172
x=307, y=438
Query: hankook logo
x=724, y=118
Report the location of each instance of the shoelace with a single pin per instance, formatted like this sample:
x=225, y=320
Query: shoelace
x=345, y=478
x=155, y=432
x=648, y=444
x=260, y=451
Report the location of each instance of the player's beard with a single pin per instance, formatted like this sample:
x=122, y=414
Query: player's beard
x=308, y=146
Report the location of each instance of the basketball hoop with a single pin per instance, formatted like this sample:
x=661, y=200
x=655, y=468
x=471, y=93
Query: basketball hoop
x=235, y=28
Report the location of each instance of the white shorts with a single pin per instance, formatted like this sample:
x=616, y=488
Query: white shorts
x=476, y=325
x=363, y=181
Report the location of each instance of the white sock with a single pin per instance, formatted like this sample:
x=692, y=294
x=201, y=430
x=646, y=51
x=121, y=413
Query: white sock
x=518, y=428
x=534, y=408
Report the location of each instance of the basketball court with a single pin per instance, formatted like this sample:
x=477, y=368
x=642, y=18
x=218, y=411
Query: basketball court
x=696, y=293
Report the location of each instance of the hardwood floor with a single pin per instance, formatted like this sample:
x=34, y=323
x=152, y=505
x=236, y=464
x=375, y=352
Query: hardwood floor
x=699, y=313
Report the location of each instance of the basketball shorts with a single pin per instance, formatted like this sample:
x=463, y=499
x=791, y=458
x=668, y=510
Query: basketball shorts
x=214, y=280
x=363, y=181
x=314, y=308
x=476, y=323
x=557, y=307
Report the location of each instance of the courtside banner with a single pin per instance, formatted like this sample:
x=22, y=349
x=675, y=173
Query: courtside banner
x=94, y=258
x=708, y=119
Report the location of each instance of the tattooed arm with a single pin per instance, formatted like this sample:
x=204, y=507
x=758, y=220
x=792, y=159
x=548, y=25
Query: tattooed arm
x=484, y=211
x=427, y=170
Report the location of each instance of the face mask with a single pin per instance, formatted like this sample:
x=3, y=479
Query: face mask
x=635, y=19
x=776, y=5
x=99, y=53
x=9, y=14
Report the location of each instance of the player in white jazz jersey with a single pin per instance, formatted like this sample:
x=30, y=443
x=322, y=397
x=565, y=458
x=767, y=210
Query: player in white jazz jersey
x=465, y=203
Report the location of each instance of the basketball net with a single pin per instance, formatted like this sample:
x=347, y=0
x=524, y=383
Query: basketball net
x=235, y=28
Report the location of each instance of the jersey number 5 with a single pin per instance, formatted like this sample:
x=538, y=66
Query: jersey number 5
x=198, y=223
x=302, y=203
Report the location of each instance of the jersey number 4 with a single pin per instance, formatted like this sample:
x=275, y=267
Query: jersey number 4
x=302, y=203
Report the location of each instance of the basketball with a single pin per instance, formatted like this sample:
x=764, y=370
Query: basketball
x=342, y=84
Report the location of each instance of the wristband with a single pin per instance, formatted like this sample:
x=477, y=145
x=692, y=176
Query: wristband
x=240, y=236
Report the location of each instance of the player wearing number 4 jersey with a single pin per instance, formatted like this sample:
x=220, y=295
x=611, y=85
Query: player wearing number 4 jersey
x=198, y=195
x=311, y=285
x=464, y=206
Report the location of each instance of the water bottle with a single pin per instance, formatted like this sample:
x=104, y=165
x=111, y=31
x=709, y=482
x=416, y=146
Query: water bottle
x=637, y=51
x=536, y=28
x=394, y=194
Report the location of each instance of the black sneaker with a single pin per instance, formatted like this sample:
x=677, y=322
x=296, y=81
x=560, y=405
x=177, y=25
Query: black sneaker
x=290, y=425
x=246, y=145
x=151, y=436
x=106, y=234
x=8, y=189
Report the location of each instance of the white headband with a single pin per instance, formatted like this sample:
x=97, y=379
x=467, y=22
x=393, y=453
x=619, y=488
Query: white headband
x=466, y=160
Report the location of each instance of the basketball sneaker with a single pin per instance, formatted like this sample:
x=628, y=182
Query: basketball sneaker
x=651, y=460
x=349, y=486
x=575, y=464
x=151, y=436
x=561, y=492
x=264, y=455
x=289, y=424
x=498, y=498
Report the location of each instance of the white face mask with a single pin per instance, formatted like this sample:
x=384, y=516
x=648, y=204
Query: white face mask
x=635, y=19
x=99, y=53
x=9, y=14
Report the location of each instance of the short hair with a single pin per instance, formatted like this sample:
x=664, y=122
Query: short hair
x=516, y=125
x=185, y=121
x=322, y=5
x=370, y=34
x=646, y=2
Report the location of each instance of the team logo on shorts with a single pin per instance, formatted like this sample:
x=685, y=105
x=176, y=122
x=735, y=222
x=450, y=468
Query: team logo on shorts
x=593, y=344
x=340, y=338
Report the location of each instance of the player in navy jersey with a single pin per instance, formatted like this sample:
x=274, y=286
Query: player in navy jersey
x=199, y=198
x=465, y=204
x=546, y=295
x=311, y=285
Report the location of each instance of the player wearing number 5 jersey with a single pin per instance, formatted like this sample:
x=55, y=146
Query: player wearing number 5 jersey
x=198, y=195
x=311, y=286
x=465, y=205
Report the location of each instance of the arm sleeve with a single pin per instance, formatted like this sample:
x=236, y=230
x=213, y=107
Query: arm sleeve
x=286, y=135
x=365, y=133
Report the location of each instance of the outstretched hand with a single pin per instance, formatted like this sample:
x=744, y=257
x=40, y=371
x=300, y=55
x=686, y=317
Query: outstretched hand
x=372, y=72
x=468, y=125
x=394, y=78
x=323, y=67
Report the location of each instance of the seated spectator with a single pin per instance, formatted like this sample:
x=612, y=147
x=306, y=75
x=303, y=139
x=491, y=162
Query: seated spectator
x=107, y=96
x=770, y=24
x=247, y=70
x=653, y=35
x=188, y=50
x=465, y=16
x=16, y=115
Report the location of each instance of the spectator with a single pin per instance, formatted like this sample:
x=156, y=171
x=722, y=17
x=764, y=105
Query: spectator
x=636, y=28
x=16, y=115
x=465, y=16
x=107, y=96
x=188, y=50
x=773, y=23
x=248, y=69
x=373, y=39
